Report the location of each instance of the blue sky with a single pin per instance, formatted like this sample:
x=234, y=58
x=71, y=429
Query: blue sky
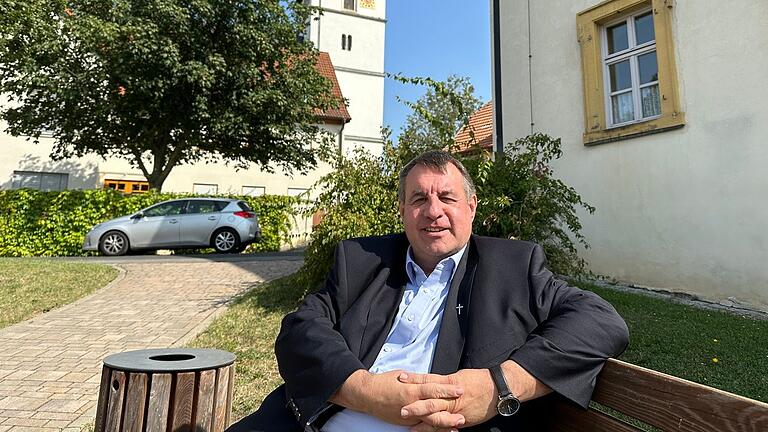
x=435, y=38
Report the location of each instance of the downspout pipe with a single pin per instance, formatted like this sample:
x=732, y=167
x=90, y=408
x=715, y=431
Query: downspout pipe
x=319, y=21
x=498, y=128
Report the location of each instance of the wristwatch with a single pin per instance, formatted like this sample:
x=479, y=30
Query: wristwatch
x=508, y=404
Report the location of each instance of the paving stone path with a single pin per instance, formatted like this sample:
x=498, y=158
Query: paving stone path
x=50, y=366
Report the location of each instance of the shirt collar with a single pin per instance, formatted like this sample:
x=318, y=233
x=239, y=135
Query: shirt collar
x=411, y=266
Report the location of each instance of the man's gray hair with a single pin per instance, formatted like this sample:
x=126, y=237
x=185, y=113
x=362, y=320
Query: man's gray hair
x=437, y=160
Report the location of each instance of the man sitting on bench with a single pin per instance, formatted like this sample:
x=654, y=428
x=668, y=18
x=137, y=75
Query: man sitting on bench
x=436, y=329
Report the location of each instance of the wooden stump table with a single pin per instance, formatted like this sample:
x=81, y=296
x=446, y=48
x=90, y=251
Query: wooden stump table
x=159, y=390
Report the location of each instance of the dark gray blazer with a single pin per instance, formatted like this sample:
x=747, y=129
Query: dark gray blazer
x=513, y=308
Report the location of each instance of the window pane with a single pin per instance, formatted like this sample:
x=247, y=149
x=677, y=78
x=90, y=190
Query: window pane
x=26, y=180
x=167, y=209
x=52, y=182
x=196, y=206
x=349, y=4
x=205, y=189
x=623, y=108
x=644, y=28
x=620, y=76
x=253, y=190
x=649, y=96
x=296, y=191
x=649, y=69
x=617, y=38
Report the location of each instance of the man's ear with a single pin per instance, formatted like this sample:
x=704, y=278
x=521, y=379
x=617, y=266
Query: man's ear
x=401, y=207
x=473, y=205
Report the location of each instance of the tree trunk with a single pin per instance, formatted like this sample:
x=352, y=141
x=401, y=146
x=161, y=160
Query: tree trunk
x=161, y=167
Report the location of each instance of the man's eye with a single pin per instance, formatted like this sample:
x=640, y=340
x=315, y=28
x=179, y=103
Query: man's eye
x=417, y=200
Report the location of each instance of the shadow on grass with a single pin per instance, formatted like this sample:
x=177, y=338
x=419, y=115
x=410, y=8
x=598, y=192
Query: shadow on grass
x=281, y=295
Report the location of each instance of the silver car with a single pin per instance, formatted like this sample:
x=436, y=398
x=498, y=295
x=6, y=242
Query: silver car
x=227, y=225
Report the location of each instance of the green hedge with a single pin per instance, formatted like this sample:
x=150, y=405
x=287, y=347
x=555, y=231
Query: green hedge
x=36, y=223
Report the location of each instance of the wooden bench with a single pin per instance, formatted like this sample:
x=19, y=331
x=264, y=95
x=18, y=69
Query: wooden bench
x=661, y=401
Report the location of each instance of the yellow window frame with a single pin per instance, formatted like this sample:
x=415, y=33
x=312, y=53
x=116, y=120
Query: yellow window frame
x=589, y=24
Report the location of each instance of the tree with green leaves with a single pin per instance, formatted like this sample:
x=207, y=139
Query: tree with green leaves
x=164, y=82
x=437, y=115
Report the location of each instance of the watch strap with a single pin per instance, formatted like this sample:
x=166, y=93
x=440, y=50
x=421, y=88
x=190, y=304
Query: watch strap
x=498, y=379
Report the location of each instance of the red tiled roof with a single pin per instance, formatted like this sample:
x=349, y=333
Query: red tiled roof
x=481, y=125
x=325, y=67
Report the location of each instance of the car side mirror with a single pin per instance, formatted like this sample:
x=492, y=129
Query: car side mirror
x=138, y=215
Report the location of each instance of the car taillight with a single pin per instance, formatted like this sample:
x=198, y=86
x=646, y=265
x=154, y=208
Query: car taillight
x=245, y=214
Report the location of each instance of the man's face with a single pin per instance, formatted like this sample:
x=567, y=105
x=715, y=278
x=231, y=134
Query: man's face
x=436, y=213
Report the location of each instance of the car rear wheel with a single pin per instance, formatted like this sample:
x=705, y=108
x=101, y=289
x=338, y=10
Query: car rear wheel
x=225, y=241
x=113, y=243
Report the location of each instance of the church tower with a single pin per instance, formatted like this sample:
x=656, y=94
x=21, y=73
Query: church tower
x=352, y=33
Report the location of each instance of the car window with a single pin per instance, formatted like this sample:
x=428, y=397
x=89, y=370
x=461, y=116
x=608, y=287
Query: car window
x=165, y=209
x=244, y=205
x=199, y=206
x=221, y=205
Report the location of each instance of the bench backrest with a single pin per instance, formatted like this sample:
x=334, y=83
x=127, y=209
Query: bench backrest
x=662, y=401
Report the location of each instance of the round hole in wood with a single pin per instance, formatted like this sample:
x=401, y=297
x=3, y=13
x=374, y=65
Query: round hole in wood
x=172, y=357
x=115, y=385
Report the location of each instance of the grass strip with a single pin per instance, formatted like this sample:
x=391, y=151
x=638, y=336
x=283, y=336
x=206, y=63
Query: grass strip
x=715, y=348
x=31, y=286
x=248, y=329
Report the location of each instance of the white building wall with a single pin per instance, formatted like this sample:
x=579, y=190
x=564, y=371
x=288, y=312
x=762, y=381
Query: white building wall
x=360, y=71
x=681, y=210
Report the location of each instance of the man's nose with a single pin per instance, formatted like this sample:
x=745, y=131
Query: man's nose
x=434, y=208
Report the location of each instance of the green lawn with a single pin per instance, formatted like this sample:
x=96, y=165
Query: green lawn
x=30, y=286
x=719, y=349
x=665, y=336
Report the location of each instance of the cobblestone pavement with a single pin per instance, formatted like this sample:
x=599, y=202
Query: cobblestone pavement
x=50, y=366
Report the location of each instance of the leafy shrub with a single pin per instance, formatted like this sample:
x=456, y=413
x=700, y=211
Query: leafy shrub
x=357, y=199
x=518, y=197
x=37, y=223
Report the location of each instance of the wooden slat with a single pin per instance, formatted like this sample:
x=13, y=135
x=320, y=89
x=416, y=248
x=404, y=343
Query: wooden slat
x=115, y=406
x=230, y=393
x=567, y=418
x=101, y=409
x=220, y=400
x=205, y=396
x=183, y=398
x=135, y=398
x=671, y=403
x=159, y=402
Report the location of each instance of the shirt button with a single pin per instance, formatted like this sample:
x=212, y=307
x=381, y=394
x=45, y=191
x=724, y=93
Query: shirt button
x=387, y=349
x=410, y=317
x=426, y=291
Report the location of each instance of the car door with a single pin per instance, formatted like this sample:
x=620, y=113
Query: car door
x=199, y=221
x=158, y=227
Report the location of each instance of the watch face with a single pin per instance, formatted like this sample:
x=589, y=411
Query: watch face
x=508, y=406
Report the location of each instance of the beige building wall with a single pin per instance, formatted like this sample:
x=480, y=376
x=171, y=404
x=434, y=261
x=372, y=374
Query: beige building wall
x=18, y=154
x=681, y=210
